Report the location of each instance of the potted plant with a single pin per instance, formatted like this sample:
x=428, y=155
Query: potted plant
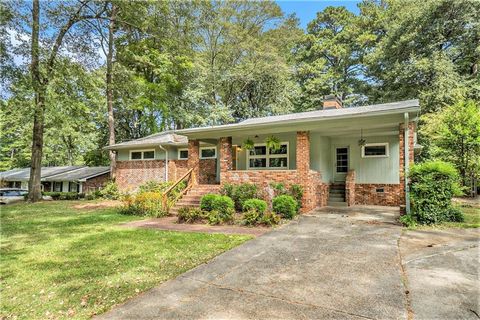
x=248, y=144
x=273, y=143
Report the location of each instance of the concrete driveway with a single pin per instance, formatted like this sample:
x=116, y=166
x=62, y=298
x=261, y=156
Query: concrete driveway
x=340, y=264
x=442, y=268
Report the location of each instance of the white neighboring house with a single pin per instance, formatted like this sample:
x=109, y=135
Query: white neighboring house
x=81, y=179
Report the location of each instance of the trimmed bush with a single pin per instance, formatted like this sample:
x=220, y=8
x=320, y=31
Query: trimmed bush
x=221, y=217
x=110, y=191
x=190, y=215
x=432, y=186
x=206, y=202
x=62, y=195
x=144, y=204
x=284, y=205
x=255, y=204
x=223, y=204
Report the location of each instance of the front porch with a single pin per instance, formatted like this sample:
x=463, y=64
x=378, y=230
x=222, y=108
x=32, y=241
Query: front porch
x=316, y=161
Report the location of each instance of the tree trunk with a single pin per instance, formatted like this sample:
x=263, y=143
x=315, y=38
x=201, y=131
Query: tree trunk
x=109, y=85
x=34, y=184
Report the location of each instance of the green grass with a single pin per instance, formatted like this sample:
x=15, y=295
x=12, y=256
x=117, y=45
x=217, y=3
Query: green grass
x=60, y=262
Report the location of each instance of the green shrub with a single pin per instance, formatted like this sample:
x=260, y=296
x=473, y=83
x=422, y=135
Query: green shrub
x=154, y=186
x=243, y=192
x=223, y=204
x=408, y=221
x=270, y=219
x=255, y=204
x=62, y=195
x=144, y=204
x=227, y=190
x=221, y=217
x=296, y=191
x=190, y=215
x=110, y=191
x=285, y=205
x=432, y=186
x=251, y=217
x=206, y=202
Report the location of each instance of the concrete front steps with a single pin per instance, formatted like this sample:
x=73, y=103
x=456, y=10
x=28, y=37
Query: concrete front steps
x=193, y=196
x=336, y=196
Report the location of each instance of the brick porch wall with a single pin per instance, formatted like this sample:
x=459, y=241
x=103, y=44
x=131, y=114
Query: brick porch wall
x=350, y=189
x=367, y=194
x=262, y=178
x=208, y=171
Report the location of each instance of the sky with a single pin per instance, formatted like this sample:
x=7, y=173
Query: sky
x=306, y=10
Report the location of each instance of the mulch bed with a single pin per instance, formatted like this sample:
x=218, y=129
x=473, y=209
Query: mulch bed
x=170, y=224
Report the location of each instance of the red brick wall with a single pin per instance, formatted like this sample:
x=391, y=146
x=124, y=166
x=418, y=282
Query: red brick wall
x=208, y=171
x=225, y=155
x=367, y=194
x=95, y=183
x=176, y=169
x=131, y=174
x=350, y=191
x=262, y=178
x=194, y=158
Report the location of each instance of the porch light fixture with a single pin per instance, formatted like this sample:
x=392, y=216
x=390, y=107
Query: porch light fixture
x=362, y=142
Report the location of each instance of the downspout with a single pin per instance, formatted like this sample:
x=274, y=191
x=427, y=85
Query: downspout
x=406, y=161
x=166, y=161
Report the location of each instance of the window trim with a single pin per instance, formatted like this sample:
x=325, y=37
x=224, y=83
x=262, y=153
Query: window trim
x=385, y=144
x=179, y=152
x=142, y=152
x=267, y=157
x=204, y=148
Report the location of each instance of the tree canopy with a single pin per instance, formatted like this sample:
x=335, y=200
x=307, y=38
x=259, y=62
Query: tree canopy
x=180, y=64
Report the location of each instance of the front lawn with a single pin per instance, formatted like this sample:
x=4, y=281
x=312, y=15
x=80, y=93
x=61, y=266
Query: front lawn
x=470, y=213
x=60, y=262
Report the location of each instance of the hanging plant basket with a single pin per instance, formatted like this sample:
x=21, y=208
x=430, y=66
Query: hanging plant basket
x=248, y=144
x=273, y=143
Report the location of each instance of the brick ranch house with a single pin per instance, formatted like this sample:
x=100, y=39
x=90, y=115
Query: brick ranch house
x=81, y=179
x=339, y=155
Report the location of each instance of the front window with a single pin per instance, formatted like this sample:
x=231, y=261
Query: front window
x=375, y=150
x=208, y=153
x=73, y=187
x=57, y=186
x=261, y=157
x=142, y=155
x=182, y=154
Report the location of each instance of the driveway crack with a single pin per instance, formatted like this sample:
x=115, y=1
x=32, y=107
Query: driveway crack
x=295, y=302
x=403, y=272
x=442, y=253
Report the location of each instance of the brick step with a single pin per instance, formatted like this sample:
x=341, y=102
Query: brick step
x=337, y=191
x=337, y=187
x=336, y=198
x=336, y=203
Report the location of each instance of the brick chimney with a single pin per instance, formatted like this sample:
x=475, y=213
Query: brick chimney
x=332, y=101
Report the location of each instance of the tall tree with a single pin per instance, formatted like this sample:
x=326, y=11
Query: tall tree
x=329, y=58
x=42, y=71
x=109, y=87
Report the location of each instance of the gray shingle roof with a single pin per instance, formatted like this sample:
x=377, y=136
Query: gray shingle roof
x=162, y=138
x=81, y=174
x=384, y=108
x=75, y=172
